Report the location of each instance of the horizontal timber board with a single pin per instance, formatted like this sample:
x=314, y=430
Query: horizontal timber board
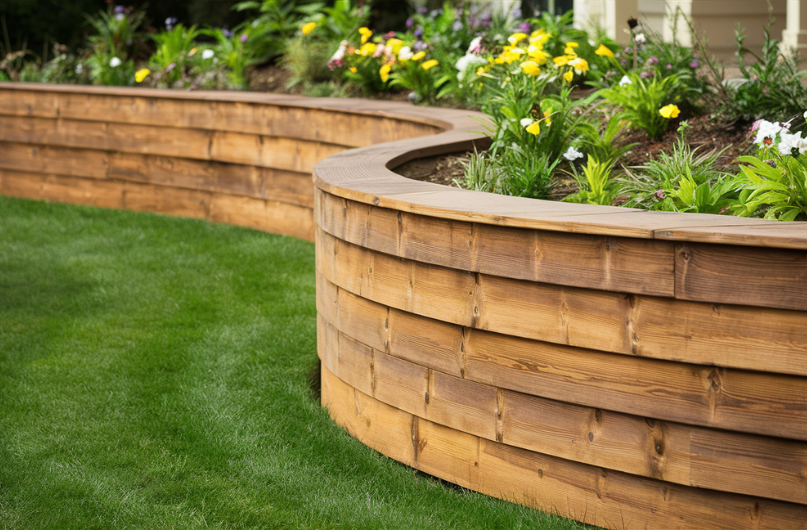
x=587, y=493
x=251, y=181
x=731, y=336
x=728, y=274
x=260, y=214
x=599, y=262
x=199, y=144
x=268, y=117
x=720, y=460
x=737, y=400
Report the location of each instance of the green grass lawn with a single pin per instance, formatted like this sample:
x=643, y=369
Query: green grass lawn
x=155, y=372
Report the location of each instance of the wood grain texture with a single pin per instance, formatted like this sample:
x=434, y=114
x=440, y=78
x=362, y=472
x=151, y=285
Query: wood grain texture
x=614, y=264
x=741, y=275
x=200, y=144
x=731, y=336
x=270, y=216
x=342, y=125
x=668, y=451
x=586, y=493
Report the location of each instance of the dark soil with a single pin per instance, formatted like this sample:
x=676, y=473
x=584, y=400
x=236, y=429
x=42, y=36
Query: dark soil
x=703, y=133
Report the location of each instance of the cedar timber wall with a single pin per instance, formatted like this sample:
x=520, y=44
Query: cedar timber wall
x=621, y=367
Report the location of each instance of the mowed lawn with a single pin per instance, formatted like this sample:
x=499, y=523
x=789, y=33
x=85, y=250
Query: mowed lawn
x=156, y=372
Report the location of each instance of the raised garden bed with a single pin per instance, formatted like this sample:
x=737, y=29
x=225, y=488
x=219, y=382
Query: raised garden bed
x=620, y=367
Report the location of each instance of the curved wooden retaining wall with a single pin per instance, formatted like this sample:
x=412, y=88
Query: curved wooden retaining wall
x=624, y=368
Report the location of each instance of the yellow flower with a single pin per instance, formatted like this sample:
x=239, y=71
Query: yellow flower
x=670, y=111
x=366, y=49
x=538, y=55
x=570, y=51
x=534, y=128
x=394, y=45
x=579, y=65
x=429, y=64
x=418, y=56
x=365, y=34
x=539, y=39
x=308, y=28
x=385, y=72
x=562, y=60
x=480, y=71
x=515, y=38
x=548, y=117
x=192, y=52
x=604, y=51
x=353, y=69
x=568, y=76
x=530, y=68
x=572, y=45
x=141, y=74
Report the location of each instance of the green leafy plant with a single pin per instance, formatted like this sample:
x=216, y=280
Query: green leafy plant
x=648, y=186
x=176, y=55
x=778, y=187
x=771, y=86
x=116, y=33
x=603, y=142
x=513, y=172
x=642, y=99
x=596, y=185
x=276, y=24
x=421, y=77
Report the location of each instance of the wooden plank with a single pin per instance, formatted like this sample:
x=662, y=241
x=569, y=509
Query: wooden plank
x=165, y=200
x=331, y=126
x=791, y=235
x=757, y=403
x=384, y=428
x=57, y=188
x=53, y=160
x=269, y=216
x=739, y=275
x=612, y=499
x=731, y=461
x=731, y=336
x=587, y=493
x=595, y=436
x=199, y=144
x=607, y=263
x=252, y=181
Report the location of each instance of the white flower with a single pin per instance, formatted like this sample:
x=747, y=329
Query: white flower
x=476, y=46
x=340, y=53
x=640, y=38
x=79, y=68
x=207, y=54
x=625, y=81
x=805, y=114
x=119, y=16
x=114, y=62
x=526, y=122
x=767, y=129
x=405, y=53
x=467, y=61
x=572, y=154
x=791, y=141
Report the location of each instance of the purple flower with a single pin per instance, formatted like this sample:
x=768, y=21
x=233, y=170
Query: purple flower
x=409, y=23
x=646, y=74
x=170, y=67
x=169, y=23
x=660, y=194
x=652, y=60
x=456, y=26
x=119, y=9
x=227, y=33
x=524, y=27
x=669, y=67
x=418, y=32
x=694, y=63
x=623, y=62
x=423, y=10
x=420, y=46
x=244, y=37
x=486, y=20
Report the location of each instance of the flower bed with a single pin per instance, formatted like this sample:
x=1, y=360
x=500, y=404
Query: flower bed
x=617, y=366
